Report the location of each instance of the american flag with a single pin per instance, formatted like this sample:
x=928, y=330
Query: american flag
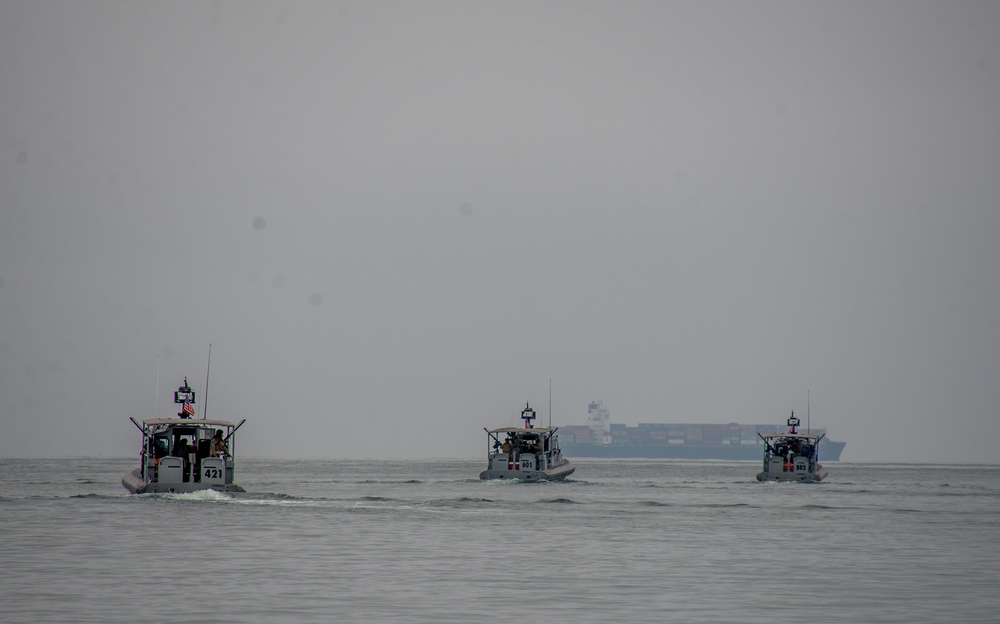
x=189, y=409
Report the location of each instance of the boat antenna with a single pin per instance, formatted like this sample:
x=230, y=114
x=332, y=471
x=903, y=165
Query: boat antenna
x=808, y=429
x=204, y=409
x=550, y=402
x=156, y=396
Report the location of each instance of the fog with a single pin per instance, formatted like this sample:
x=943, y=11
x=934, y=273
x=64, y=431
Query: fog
x=396, y=222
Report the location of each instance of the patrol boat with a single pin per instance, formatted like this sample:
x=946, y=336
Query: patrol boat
x=528, y=453
x=792, y=456
x=179, y=454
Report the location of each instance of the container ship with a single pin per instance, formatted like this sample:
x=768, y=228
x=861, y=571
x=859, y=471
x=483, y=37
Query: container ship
x=602, y=438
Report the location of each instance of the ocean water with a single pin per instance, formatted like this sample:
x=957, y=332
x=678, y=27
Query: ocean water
x=426, y=541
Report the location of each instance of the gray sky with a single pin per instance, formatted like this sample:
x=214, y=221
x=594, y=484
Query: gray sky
x=396, y=221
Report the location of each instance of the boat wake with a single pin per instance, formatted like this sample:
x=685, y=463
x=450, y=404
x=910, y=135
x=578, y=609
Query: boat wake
x=462, y=502
x=99, y=496
x=252, y=500
x=201, y=495
x=561, y=501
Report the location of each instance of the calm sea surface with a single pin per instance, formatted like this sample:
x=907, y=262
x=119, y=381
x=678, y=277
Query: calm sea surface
x=426, y=541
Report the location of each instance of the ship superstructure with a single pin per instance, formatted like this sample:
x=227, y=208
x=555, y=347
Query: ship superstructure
x=599, y=422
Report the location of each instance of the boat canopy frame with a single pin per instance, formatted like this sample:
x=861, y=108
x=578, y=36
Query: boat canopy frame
x=152, y=427
x=811, y=438
x=545, y=434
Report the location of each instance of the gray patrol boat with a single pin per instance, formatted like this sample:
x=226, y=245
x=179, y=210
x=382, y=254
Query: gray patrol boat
x=792, y=456
x=179, y=454
x=527, y=453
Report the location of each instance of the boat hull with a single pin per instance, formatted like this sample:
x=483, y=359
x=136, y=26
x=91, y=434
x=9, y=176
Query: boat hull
x=135, y=484
x=815, y=476
x=555, y=473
